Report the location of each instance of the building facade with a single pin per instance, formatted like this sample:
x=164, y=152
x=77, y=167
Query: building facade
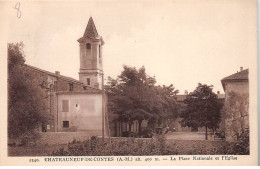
x=236, y=87
x=176, y=124
x=77, y=105
x=120, y=128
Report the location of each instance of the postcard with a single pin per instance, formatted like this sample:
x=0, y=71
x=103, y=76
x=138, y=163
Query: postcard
x=115, y=82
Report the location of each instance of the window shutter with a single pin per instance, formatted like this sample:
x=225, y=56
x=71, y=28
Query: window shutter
x=65, y=105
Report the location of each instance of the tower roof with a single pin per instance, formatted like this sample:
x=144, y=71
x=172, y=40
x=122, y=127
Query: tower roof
x=91, y=31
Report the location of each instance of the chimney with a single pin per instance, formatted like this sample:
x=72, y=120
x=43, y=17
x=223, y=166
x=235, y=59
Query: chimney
x=57, y=72
x=241, y=69
x=218, y=92
x=186, y=92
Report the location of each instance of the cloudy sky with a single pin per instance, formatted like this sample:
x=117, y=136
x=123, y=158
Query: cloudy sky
x=180, y=42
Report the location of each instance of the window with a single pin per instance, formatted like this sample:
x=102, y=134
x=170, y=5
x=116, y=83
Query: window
x=84, y=88
x=66, y=124
x=88, y=46
x=65, y=106
x=88, y=81
x=71, y=87
x=99, y=52
x=55, y=85
x=51, y=87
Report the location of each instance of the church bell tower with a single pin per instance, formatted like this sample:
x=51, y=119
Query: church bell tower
x=91, y=61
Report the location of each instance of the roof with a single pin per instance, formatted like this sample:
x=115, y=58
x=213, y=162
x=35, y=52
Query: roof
x=242, y=75
x=91, y=31
x=69, y=79
x=79, y=92
x=239, y=76
x=181, y=98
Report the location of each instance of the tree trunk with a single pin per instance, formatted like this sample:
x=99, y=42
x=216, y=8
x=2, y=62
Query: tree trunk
x=206, y=132
x=140, y=126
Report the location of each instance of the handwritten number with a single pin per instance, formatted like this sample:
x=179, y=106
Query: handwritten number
x=17, y=7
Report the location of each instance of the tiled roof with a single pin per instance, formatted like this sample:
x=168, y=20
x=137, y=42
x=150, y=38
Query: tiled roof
x=242, y=75
x=91, y=31
x=239, y=76
x=69, y=79
x=41, y=70
x=181, y=98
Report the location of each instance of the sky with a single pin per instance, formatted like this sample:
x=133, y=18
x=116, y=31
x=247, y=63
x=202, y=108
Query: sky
x=180, y=42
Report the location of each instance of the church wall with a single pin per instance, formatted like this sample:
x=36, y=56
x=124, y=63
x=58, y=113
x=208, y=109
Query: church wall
x=64, y=85
x=49, y=81
x=84, y=112
x=95, y=79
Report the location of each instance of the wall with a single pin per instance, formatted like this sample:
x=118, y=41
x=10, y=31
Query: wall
x=85, y=112
x=52, y=138
x=48, y=81
x=91, y=62
x=63, y=85
x=231, y=122
x=239, y=87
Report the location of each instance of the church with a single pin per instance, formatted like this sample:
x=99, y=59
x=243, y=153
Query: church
x=78, y=105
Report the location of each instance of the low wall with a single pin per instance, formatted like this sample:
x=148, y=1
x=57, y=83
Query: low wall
x=180, y=147
x=52, y=138
x=202, y=147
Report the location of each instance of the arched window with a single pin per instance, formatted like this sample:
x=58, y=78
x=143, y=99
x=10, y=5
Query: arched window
x=88, y=46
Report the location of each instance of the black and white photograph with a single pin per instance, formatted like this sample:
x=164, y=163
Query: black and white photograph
x=121, y=80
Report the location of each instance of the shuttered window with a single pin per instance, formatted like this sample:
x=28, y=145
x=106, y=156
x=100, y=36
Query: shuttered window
x=65, y=106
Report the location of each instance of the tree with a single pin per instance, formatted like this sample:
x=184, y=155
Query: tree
x=134, y=96
x=27, y=98
x=203, y=109
x=236, y=114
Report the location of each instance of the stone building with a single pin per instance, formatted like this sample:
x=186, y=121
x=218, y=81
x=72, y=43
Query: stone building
x=119, y=128
x=236, y=87
x=176, y=124
x=78, y=105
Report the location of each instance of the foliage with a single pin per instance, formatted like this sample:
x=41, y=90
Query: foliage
x=236, y=110
x=241, y=147
x=203, y=108
x=118, y=147
x=27, y=104
x=134, y=96
x=146, y=133
x=149, y=147
x=154, y=146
